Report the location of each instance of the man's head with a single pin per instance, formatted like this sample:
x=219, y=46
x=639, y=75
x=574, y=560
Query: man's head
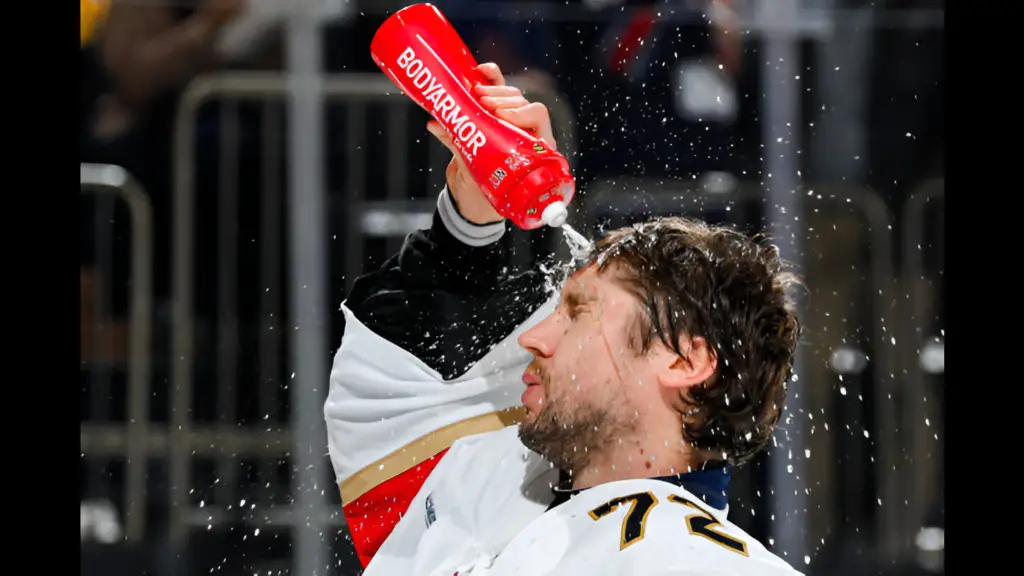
x=673, y=337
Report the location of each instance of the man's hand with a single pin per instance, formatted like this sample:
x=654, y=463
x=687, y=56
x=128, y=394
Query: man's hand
x=220, y=12
x=725, y=34
x=509, y=104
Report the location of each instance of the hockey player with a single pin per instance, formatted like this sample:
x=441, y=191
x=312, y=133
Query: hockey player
x=663, y=363
x=429, y=351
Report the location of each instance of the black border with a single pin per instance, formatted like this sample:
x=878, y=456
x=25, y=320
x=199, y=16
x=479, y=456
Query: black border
x=980, y=165
x=40, y=278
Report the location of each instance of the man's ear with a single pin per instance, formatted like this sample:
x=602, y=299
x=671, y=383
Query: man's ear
x=697, y=365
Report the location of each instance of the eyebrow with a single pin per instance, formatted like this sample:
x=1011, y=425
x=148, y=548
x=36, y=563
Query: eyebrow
x=571, y=299
x=574, y=298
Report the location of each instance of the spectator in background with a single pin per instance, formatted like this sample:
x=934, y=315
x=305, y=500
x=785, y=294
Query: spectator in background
x=725, y=35
x=133, y=68
x=654, y=86
x=520, y=43
x=151, y=50
x=92, y=14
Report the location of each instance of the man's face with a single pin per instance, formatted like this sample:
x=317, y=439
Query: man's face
x=586, y=386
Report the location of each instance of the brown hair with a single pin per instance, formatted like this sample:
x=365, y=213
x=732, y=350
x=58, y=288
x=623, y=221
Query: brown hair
x=694, y=279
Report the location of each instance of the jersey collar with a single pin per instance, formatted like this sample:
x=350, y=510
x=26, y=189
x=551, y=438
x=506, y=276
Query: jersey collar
x=710, y=484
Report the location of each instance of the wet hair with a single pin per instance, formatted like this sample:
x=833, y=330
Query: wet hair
x=697, y=280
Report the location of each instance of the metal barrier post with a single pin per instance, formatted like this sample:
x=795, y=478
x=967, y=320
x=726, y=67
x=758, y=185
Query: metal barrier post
x=781, y=134
x=883, y=363
x=117, y=181
x=308, y=290
x=182, y=318
x=917, y=400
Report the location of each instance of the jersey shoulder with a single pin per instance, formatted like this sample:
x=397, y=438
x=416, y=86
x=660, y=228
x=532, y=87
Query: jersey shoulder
x=659, y=528
x=484, y=477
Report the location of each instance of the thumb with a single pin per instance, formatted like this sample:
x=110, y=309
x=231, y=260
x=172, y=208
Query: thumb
x=438, y=132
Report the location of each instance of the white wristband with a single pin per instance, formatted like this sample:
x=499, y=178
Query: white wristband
x=463, y=230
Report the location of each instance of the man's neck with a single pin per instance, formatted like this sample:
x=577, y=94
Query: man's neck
x=631, y=460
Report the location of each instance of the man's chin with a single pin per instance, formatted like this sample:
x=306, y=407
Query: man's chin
x=528, y=425
x=529, y=415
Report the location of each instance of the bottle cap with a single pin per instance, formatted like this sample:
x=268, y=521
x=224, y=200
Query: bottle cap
x=554, y=214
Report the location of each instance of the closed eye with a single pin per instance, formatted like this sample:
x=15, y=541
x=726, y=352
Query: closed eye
x=574, y=309
x=574, y=305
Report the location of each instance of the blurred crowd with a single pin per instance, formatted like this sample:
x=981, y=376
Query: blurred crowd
x=654, y=96
x=138, y=56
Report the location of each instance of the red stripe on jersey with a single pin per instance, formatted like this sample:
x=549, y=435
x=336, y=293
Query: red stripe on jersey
x=373, y=515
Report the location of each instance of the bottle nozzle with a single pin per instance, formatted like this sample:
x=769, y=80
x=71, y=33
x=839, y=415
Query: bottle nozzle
x=555, y=214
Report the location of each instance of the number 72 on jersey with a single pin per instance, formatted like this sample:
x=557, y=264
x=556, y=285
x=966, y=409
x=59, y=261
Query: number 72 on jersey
x=699, y=522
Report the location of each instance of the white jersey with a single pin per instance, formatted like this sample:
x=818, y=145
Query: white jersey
x=484, y=511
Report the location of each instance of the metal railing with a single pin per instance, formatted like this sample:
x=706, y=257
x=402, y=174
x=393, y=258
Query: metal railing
x=115, y=180
x=923, y=350
x=392, y=218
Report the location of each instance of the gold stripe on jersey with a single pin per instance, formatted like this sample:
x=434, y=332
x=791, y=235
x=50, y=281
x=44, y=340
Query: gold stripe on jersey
x=423, y=448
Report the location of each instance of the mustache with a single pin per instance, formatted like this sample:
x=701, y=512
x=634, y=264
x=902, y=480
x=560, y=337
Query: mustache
x=535, y=369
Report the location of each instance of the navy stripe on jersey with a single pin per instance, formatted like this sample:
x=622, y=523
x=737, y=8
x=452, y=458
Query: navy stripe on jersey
x=710, y=484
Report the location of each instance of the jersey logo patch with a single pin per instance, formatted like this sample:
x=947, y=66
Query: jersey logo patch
x=431, y=515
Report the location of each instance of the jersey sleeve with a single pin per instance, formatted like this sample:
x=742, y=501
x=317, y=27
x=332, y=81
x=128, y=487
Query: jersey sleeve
x=450, y=294
x=428, y=356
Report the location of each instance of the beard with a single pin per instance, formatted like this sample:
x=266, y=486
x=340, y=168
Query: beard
x=571, y=437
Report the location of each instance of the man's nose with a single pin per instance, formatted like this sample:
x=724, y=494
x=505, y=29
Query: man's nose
x=539, y=340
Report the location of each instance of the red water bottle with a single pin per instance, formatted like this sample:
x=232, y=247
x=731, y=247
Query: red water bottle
x=523, y=178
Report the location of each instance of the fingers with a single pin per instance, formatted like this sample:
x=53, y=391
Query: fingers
x=533, y=117
x=493, y=103
x=497, y=97
x=492, y=73
x=499, y=91
x=520, y=112
x=506, y=102
x=438, y=132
